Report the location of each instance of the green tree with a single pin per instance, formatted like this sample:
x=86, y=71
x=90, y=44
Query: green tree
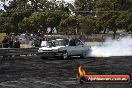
x=87, y=24
x=113, y=14
x=37, y=21
x=54, y=19
x=84, y=7
x=123, y=5
x=105, y=5
x=15, y=13
x=69, y=25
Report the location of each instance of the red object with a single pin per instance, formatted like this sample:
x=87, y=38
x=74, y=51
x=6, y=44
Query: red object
x=82, y=77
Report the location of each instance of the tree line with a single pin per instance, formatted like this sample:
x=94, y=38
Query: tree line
x=82, y=16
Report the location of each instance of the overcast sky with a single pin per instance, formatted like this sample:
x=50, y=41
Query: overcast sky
x=70, y=1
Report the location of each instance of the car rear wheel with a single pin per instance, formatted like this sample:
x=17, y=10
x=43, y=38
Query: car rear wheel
x=84, y=55
x=64, y=55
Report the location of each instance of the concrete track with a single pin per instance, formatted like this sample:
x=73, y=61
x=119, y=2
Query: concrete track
x=37, y=73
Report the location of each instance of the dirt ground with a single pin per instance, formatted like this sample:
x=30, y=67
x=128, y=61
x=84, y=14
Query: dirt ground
x=37, y=73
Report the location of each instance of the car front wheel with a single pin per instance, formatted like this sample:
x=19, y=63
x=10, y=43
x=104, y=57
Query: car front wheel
x=64, y=55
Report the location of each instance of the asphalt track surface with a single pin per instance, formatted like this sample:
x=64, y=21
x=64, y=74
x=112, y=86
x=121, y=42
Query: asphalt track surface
x=34, y=72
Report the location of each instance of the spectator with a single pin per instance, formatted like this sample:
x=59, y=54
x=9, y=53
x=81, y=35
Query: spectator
x=27, y=38
x=17, y=43
x=5, y=42
x=36, y=41
x=30, y=44
x=40, y=41
x=11, y=42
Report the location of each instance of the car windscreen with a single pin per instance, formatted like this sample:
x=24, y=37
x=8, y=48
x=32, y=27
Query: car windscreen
x=62, y=42
x=50, y=43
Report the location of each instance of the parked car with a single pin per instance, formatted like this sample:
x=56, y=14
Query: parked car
x=64, y=48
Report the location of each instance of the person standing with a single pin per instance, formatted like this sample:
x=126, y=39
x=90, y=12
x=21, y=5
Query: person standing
x=30, y=44
x=17, y=43
x=11, y=42
x=5, y=42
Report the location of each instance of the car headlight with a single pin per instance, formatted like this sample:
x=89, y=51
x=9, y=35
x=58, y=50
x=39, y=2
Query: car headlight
x=40, y=50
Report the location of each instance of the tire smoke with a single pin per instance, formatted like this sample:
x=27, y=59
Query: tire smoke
x=119, y=47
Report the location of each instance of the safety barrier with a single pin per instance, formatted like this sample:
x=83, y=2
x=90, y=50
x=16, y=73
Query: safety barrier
x=4, y=52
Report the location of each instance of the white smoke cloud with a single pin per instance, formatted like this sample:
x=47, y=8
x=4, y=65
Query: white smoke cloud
x=120, y=47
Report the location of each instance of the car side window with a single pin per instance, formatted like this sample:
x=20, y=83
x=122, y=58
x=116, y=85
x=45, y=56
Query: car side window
x=78, y=42
x=72, y=43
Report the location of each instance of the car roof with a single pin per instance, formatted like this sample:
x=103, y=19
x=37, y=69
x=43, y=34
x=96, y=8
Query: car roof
x=65, y=38
x=59, y=39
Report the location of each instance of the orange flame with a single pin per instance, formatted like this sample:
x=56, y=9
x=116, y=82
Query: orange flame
x=81, y=71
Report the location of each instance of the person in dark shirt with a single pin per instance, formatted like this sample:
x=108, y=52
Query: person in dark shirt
x=17, y=43
x=11, y=42
x=5, y=42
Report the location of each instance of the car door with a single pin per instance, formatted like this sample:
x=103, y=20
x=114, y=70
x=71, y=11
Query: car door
x=71, y=48
x=79, y=47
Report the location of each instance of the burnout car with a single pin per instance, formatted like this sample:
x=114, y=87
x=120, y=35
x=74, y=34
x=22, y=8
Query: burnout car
x=64, y=48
